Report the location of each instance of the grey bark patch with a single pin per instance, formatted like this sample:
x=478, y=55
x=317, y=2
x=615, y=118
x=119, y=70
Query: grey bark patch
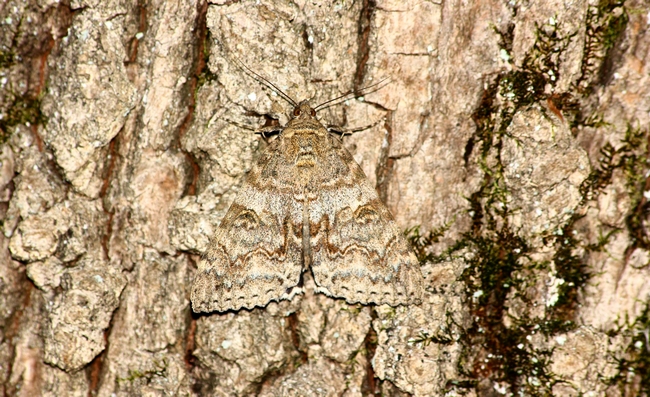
x=79, y=316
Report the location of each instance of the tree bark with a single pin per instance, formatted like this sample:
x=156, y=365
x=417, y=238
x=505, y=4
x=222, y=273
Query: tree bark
x=511, y=143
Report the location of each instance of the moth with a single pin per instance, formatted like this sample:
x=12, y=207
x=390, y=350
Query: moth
x=306, y=205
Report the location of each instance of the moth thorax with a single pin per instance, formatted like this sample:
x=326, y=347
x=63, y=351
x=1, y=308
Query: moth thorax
x=304, y=147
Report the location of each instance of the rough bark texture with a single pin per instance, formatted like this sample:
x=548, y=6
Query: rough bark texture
x=512, y=142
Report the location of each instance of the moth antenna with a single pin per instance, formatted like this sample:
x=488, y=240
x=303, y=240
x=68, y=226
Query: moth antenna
x=352, y=93
x=266, y=82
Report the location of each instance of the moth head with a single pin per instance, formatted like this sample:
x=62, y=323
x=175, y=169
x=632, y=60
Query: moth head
x=303, y=110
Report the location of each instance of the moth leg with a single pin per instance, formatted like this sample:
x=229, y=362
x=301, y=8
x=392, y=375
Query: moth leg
x=268, y=131
x=231, y=122
x=342, y=132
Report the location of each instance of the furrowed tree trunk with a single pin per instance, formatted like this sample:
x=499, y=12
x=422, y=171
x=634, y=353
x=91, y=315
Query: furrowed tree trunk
x=510, y=142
